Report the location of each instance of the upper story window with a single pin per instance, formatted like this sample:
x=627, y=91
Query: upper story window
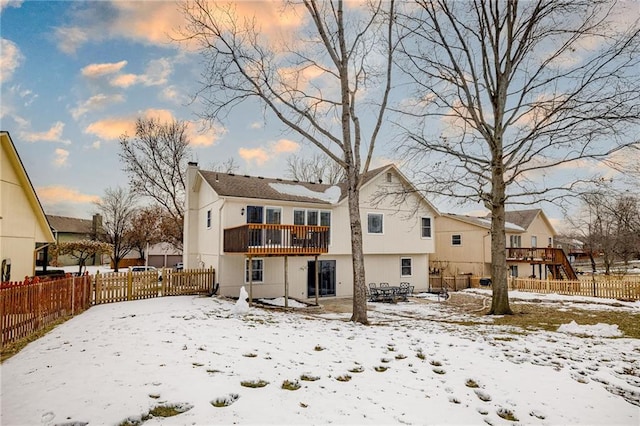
x=255, y=214
x=209, y=219
x=515, y=241
x=375, y=223
x=425, y=227
x=388, y=177
x=299, y=217
x=456, y=240
x=534, y=241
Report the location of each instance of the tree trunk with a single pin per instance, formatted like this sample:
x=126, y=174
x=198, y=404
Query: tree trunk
x=359, y=283
x=500, y=294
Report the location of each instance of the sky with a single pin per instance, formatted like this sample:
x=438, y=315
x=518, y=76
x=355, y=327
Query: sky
x=411, y=366
x=76, y=75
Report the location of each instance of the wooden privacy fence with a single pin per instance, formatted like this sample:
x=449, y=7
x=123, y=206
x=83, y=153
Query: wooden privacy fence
x=28, y=307
x=121, y=286
x=452, y=283
x=607, y=287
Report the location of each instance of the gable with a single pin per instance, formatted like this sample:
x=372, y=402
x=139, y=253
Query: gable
x=19, y=199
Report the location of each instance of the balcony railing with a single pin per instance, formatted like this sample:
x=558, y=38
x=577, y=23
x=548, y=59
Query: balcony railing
x=277, y=240
x=545, y=256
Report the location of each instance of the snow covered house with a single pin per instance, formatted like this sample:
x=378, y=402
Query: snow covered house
x=264, y=232
x=463, y=246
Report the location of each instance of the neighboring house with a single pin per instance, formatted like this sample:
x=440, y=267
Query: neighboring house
x=23, y=224
x=67, y=229
x=164, y=255
x=260, y=232
x=463, y=245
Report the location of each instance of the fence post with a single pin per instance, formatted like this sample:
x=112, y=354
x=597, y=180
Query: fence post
x=129, y=284
x=73, y=296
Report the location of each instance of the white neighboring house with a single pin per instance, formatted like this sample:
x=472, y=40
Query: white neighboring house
x=286, y=225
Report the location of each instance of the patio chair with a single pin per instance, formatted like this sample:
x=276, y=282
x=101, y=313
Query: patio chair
x=384, y=284
x=404, y=291
x=374, y=295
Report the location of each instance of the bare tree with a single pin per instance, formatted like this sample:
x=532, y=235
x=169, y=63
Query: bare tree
x=317, y=168
x=146, y=228
x=508, y=93
x=81, y=250
x=227, y=166
x=156, y=161
x=608, y=226
x=117, y=207
x=329, y=83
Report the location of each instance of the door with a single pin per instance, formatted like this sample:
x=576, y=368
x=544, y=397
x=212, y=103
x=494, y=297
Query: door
x=326, y=278
x=255, y=215
x=273, y=217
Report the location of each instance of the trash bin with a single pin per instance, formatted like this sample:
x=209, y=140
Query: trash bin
x=485, y=281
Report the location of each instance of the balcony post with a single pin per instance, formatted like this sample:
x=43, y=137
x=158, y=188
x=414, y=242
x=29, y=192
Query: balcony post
x=250, y=281
x=315, y=279
x=286, y=281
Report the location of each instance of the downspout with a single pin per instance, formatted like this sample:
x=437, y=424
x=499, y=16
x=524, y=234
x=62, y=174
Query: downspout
x=221, y=241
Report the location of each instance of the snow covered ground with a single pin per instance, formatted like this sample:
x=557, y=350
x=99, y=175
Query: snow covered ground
x=118, y=361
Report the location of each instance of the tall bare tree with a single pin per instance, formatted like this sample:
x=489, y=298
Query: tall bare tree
x=117, y=207
x=317, y=168
x=156, y=161
x=509, y=92
x=329, y=83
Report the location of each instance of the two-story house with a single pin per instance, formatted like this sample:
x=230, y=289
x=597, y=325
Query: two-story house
x=463, y=245
x=272, y=233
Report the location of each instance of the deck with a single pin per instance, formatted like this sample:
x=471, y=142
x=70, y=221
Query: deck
x=554, y=258
x=277, y=240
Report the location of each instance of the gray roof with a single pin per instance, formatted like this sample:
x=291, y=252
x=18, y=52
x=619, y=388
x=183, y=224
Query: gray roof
x=522, y=218
x=70, y=225
x=245, y=186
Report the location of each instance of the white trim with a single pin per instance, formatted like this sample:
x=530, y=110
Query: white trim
x=410, y=266
x=431, y=223
x=378, y=214
x=246, y=269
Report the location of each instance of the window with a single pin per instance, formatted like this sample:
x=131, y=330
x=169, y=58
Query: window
x=374, y=223
x=257, y=266
x=405, y=266
x=208, y=219
x=312, y=217
x=456, y=240
x=515, y=241
x=389, y=177
x=514, y=270
x=426, y=227
x=298, y=217
x=550, y=242
x=534, y=241
x=273, y=216
x=254, y=214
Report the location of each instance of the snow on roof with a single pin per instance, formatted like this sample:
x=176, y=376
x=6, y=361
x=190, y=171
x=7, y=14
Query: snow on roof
x=330, y=195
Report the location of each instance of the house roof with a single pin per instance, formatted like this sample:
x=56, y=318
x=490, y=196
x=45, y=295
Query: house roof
x=245, y=186
x=71, y=225
x=522, y=218
x=484, y=222
x=14, y=159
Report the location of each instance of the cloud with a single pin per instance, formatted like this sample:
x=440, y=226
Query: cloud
x=256, y=125
x=54, y=134
x=99, y=70
x=71, y=38
x=10, y=59
x=95, y=103
x=61, y=156
x=198, y=133
x=112, y=128
x=156, y=74
x=157, y=22
x=10, y=3
x=58, y=194
x=261, y=155
x=172, y=94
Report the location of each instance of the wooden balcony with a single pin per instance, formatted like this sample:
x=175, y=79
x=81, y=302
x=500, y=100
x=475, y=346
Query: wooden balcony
x=277, y=240
x=555, y=259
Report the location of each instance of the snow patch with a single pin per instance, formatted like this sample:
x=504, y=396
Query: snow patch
x=596, y=330
x=330, y=195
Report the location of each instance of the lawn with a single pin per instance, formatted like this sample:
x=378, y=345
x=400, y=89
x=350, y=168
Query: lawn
x=190, y=360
